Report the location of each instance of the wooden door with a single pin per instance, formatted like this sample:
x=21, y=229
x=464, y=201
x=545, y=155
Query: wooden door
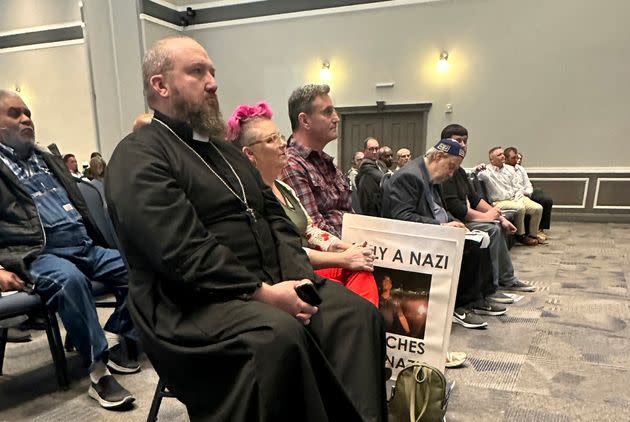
x=402, y=126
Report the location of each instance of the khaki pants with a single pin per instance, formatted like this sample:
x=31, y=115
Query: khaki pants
x=523, y=206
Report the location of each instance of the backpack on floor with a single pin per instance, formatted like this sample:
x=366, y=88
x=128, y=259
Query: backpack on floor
x=420, y=395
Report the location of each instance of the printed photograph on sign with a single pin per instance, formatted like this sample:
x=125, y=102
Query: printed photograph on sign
x=403, y=300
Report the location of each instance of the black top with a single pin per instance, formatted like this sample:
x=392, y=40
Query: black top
x=187, y=238
x=456, y=190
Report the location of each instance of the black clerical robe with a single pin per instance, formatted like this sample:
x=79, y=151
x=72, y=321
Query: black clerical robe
x=196, y=255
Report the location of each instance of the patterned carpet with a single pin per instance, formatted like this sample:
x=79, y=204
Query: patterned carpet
x=560, y=354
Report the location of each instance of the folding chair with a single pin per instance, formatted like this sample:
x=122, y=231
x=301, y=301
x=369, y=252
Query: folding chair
x=22, y=303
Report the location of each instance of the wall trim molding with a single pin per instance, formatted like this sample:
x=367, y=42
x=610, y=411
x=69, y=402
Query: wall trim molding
x=596, y=198
x=42, y=46
x=207, y=5
x=307, y=13
x=30, y=29
x=567, y=179
x=563, y=170
x=149, y=18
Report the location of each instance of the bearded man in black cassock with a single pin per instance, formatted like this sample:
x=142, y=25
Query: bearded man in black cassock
x=214, y=263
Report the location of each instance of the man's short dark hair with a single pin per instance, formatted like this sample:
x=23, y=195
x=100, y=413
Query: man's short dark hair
x=453, y=129
x=301, y=101
x=510, y=150
x=95, y=154
x=67, y=157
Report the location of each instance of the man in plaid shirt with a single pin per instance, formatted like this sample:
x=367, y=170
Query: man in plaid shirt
x=318, y=183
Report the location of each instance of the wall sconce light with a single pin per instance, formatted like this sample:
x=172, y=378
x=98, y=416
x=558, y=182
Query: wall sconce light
x=18, y=89
x=443, y=62
x=324, y=73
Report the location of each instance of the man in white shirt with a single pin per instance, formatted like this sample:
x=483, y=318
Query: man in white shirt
x=511, y=158
x=504, y=192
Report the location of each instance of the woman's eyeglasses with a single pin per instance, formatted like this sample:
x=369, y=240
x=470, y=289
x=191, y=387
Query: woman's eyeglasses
x=271, y=139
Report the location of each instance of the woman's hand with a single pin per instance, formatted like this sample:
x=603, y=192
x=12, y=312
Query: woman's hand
x=358, y=258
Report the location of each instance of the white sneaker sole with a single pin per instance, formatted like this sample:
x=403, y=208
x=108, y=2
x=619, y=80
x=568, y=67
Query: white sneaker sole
x=467, y=325
x=121, y=369
x=108, y=404
x=491, y=313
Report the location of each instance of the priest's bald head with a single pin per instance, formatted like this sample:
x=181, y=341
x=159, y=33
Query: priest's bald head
x=179, y=82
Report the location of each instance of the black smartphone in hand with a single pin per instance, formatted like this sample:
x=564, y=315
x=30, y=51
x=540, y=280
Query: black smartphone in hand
x=308, y=293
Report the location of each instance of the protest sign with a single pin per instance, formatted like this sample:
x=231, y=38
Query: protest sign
x=416, y=271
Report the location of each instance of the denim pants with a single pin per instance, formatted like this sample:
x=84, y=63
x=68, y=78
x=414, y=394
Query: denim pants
x=62, y=278
x=62, y=272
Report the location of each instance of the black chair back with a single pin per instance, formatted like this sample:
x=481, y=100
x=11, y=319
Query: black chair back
x=96, y=206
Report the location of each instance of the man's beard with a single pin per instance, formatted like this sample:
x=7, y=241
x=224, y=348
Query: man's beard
x=204, y=118
x=22, y=146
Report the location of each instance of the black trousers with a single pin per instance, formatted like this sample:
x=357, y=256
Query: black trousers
x=264, y=365
x=475, y=276
x=547, y=203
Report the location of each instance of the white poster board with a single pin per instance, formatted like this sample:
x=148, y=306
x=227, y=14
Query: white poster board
x=416, y=270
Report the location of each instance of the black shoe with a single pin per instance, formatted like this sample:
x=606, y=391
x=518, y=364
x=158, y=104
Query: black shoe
x=16, y=335
x=121, y=361
x=468, y=319
x=499, y=297
x=488, y=309
x=109, y=394
x=518, y=286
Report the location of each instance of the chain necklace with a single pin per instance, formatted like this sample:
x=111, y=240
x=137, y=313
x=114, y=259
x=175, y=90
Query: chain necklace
x=249, y=210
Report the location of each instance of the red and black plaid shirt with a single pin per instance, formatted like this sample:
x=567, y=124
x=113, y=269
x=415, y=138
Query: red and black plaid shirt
x=319, y=184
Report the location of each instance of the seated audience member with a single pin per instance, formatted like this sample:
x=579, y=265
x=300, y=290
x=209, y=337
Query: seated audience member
x=351, y=174
x=413, y=194
x=87, y=172
x=97, y=168
x=503, y=189
x=369, y=178
x=73, y=166
x=536, y=195
x=215, y=263
x=466, y=205
x=49, y=244
x=403, y=156
x=261, y=142
x=141, y=120
x=318, y=183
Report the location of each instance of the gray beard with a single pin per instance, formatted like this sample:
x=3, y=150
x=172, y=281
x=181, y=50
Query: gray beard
x=22, y=147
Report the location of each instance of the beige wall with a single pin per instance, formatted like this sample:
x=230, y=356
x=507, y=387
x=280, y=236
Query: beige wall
x=54, y=82
x=55, y=86
x=545, y=75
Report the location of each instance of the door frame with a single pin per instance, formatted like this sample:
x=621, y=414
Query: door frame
x=381, y=107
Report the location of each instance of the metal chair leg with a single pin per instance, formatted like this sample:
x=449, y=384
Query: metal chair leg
x=56, y=349
x=160, y=393
x=3, y=345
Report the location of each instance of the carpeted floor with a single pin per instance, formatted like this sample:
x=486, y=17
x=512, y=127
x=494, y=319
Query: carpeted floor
x=560, y=354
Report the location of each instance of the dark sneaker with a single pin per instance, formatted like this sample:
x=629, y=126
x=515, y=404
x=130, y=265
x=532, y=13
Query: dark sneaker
x=467, y=319
x=489, y=309
x=109, y=394
x=500, y=298
x=121, y=362
x=519, y=286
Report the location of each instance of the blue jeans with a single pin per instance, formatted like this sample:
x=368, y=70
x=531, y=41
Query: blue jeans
x=62, y=276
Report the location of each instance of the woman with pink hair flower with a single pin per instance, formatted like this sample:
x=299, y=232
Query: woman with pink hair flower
x=251, y=127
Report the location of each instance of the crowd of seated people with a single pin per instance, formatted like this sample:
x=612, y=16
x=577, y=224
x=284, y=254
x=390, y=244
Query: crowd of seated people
x=231, y=245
